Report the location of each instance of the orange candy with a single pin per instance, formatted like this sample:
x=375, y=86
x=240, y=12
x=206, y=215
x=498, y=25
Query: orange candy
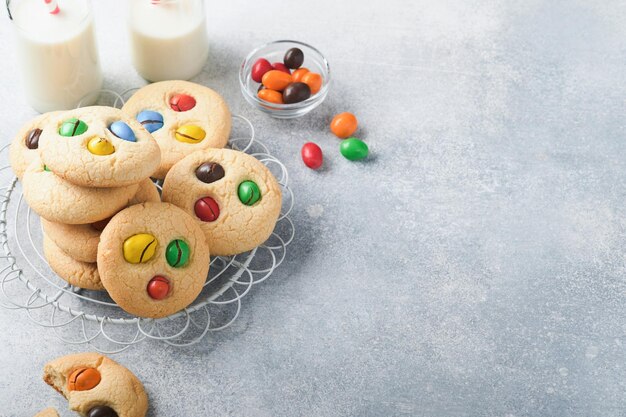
x=344, y=125
x=272, y=96
x=313, y=80
x=83, y=379
x=298, y=74
x=276, y=80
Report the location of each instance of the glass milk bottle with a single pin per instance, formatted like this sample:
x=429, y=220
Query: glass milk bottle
x=56, y=52
x=168, y=38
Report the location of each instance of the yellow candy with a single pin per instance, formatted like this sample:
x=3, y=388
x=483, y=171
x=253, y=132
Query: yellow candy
x=139, y=248
x=100, y=146
x=190, y=134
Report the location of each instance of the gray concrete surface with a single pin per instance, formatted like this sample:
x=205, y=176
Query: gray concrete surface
x=473, y=266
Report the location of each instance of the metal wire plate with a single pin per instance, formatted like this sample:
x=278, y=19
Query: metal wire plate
x=80, y=316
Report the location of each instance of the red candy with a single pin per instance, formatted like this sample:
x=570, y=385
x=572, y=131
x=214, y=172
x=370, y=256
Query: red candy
x=158, y=287
x=182, y=102
x=207, y=209
x=281, y=67
x=260, y=67
x=312, y=155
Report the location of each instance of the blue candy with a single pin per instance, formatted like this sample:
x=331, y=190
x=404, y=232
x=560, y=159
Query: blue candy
x=151, y=120
x=122, y=131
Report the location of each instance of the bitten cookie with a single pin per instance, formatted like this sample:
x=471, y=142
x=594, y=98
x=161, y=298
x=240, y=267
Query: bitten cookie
x=233, y=195
x=63, y=202
x=23, y=150
x=98, y=147
x=183, y=117
x=80, y=241
x=96, y=386
x=79, y=274
x=47, y=412
x=153, y=259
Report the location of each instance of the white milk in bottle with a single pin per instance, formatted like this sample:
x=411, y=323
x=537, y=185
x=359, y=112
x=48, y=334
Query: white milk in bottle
x=168, y=38
x=57, y=53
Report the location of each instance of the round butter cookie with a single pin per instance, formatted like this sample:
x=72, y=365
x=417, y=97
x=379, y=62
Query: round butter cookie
x=153, y=259
x=80, y=241
x=98, y=147
x=232, y=195
x=78, y=273
x=182, y=116
x=60, y=201
x=96, y=386
x=23, y=150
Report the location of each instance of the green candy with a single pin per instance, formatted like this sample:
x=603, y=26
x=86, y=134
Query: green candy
x=45, y=168
x=73, y=127
x=177, y=253
x=249, y=193
x=353, y=149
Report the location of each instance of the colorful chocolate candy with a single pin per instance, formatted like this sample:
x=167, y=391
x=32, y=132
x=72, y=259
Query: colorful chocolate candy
x=207, y=209
x=313, y=80
x=190, y=134
x=271, y=96
x=158, y=288
x=122, y=131
x=276, y=80
x=260, y=67
x=353, y=149
x=294, y=58
x=151, y=120
x=279, y=66
x=210, y=172
x=312, y=155
x=280, y=85
x=298, y=74
x=248, y=192
x=182, y=102
x=83, y=379
x=344, y=125
x=177, y=253
x=296, y=92
x=139, y=248
x=73, y=127
x=32, y=140
x=100, y=146
x=102, y=411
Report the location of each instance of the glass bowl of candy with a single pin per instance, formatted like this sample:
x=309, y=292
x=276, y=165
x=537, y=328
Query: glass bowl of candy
x=285, y=79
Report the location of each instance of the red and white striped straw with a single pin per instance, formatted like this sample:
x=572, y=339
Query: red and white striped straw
x=53, y=7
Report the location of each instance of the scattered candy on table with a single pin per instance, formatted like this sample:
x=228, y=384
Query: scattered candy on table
x=353, y=149
x=312, y=155
x=344, y=125
x=279, y=85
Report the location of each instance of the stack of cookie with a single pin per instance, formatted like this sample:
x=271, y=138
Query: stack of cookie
x=79, y=168
x=86, y=173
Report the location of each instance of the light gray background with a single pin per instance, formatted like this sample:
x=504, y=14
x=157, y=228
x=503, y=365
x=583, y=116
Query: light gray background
x=474, y=265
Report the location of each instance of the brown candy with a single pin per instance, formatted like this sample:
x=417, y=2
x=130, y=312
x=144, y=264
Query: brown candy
x=296, y=92
x=83, y=379
x=32, y=141
x=210, y=172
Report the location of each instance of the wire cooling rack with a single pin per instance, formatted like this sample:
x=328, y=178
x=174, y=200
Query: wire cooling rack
x=82, y=317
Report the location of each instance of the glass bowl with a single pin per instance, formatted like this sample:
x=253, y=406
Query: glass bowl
x=274, y=52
